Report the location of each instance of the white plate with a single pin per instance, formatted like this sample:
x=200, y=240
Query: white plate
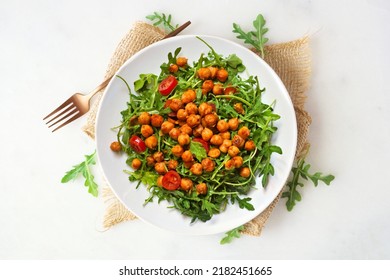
x=114, y=100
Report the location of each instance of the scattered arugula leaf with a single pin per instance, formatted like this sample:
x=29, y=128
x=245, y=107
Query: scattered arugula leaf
x=231, y=234
x=83, y=169
x=255, y=38
x=198, y=150
x=162, y=19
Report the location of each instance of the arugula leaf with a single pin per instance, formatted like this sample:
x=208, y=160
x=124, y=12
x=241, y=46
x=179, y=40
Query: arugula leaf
x=255, y=38
x=83, y=169
x=231, y=234
x=198, y=150
x=162, y=19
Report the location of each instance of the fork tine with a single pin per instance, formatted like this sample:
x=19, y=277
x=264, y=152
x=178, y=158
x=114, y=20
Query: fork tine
x=79, y=114
x=70, y=113
x=63, y=105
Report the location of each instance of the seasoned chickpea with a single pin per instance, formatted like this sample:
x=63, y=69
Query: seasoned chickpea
x=177, y=150
x=185, y=128
x=196, y=169
x=150, y=161
x=225, y=135
x=216, y=140
x=186, y=184
x=233, y=151
x=222, y=75
x=136, y=163
x=229, y=164
x=197, y=131
x=158, y=156
x=250, y=145
x=207, y=133
x=188, y=96
x=229, y=90
x=182, y=114
x=238, y=161
x=184, y=139
x=233, y=123
x=144, y=118
x=204, y=73
x=151, y=142
x=146, y=130
x=218, y=89
x=207, y=86
x=175, y=104
x=181, y=61
x=173, y=68
x=245, y=172
x=193, y=120
x=166, y=127
x=239, y=108
x=213, y=72
x=205, y=109
x=214, y=153
x=191, y=108
x=116, y=146
x=201, y=188
x=208, y=165
x=244, y=132
x=159, y=180
x=156, y=120
x=187, y=156
x=172, y=164
x=225, y=146
x=238, y=141
x=222, y=126
x=160, y=168
x=188, y=164
x=174, y=133
x=133, y=121
x=211, y=120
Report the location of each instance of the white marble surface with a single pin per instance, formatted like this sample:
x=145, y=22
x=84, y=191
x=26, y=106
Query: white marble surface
x=50, y=50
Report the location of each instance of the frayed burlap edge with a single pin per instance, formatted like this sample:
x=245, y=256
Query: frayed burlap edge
x=291, y=61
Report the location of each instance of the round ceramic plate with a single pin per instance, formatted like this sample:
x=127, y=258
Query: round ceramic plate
x=114, y=101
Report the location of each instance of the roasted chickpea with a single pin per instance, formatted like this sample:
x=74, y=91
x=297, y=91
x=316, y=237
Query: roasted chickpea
x=187, y=156
x=159, y=180
x=214, y=153
x=238, y=161
x=222, y=75
x=184, y=139
x=196, y=169
x=188, y=164
x=201, y=188
x=181, y=61
x=151, y=142
x=207, y=86
x=238, y=141
x=166, y=127
x=144, y=118
x=177, y=150
x=207, y=133
x=150, y=161
x=222, y=126
x=188, y=96
x=158, y=156
x=182, y=114
x=156, y=120
x=211, y=120
x=197, y=131
x=185, y=128
x=216, y=140
x=136, y=163
x=233, y=151
x=250, y=145
x=146, y=130
x=245, y=172
x=229, y=164
x=193, y=120
x=186, y=184
x=172, y=164
x=204, y=73
x=208, y=165
x=225, y=146
x=213, y=72
x=173, y=68
x=133, y=121
x=244, y=132
x=175, y=104
x=218, y=89
x=174, y=133
x=229, y=90
x=191, y=108
x=160, y=168
x=233, y=123
x=116, y=146
x=239, y=108
x=205, y=109
x=225, y=135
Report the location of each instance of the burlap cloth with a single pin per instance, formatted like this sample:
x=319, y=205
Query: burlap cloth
x=291, y=61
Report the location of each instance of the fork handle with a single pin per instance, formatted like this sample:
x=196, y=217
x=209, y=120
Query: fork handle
x=100, y=87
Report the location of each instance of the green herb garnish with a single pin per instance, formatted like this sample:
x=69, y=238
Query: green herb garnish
x=232, y=234
x=162, y=19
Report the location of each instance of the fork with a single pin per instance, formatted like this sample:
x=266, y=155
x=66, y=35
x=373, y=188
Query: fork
x=78, y=104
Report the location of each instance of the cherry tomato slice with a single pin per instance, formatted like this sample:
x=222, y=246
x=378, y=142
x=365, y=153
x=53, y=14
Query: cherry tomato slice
x=137, y=144
x=205, y=145
x=167, y=85
x=171, y=180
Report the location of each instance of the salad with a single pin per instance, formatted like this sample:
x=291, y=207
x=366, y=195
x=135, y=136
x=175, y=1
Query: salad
x=198, y=134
